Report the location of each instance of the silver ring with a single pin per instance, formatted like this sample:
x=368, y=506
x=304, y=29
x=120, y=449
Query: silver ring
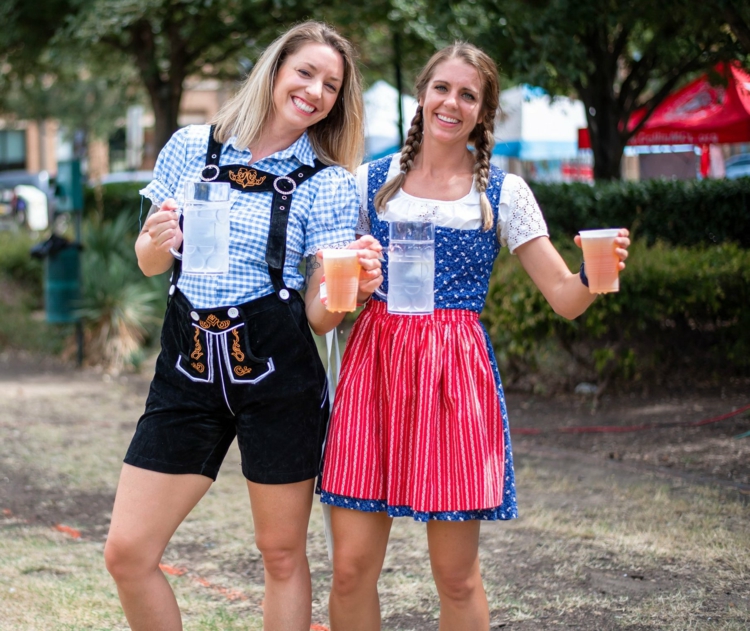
x=210, y=179
x=288, y=179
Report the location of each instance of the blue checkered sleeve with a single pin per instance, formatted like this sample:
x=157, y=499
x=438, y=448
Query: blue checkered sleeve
x=333, y=215
x=186, y=145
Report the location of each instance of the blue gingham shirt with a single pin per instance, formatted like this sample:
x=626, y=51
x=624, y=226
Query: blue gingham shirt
x=323, y=214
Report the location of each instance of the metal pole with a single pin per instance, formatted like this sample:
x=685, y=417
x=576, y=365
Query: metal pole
x=79, y=325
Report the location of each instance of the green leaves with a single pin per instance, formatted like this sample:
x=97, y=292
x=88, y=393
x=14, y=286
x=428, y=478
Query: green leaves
x=678, y=308
x=120, y=307
x=677, y=212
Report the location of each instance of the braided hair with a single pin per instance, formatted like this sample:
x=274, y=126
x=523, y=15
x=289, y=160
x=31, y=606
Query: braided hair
x=482, y=136
x=408, y=153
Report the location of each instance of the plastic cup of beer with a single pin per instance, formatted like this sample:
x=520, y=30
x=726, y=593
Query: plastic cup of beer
x=601, y=261
x=341, y=269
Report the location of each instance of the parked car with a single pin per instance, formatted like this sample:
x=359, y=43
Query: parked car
x=737, y=166
x=27, y=197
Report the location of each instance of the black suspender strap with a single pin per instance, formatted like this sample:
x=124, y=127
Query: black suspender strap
x=283, y=189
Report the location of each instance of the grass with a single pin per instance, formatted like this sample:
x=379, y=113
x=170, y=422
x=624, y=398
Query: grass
x=584, y=533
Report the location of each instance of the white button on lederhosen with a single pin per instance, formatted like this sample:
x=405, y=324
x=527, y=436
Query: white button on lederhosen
x=171, y=290
x=232, y=312
x=195, y=316
x=284, y=294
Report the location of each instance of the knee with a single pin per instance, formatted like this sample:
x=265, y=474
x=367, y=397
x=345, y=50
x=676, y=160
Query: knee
x=126, y=559
x=281, y=561
x=457, y=586
x=351, y=573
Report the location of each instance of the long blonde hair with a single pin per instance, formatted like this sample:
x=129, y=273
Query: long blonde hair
x=482, y=136
x=338, y=138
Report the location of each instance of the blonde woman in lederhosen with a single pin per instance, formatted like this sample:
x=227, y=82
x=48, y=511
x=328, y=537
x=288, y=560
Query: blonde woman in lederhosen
x=419, y=426
x=237, y=355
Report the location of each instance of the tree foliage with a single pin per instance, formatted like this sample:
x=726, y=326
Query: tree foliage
x=45, y=77
x=615, y=56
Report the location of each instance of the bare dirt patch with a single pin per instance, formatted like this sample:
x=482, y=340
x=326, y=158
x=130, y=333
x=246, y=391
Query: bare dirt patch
x=714, y=451
x=620, y=531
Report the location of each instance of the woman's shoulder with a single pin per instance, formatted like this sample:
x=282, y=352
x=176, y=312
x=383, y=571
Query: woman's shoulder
x=336, y=178
x=192, y=133
x=381, y=164
x=337, y=173
x=192, y=140
x=508, y=181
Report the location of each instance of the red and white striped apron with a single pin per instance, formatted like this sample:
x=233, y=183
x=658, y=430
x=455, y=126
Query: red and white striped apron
x=417, y=420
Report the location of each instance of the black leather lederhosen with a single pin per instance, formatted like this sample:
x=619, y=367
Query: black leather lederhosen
x=250, y=369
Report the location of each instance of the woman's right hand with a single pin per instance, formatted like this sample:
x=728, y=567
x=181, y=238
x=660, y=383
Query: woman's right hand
x=163, y=227
x=370, y=256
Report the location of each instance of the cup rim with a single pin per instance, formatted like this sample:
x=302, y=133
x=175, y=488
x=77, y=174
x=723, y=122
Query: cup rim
x=599, y=233
x=336, y=253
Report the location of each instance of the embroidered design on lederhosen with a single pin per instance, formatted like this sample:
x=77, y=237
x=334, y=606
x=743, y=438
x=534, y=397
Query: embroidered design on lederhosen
x=246, y=177
x=225, y=334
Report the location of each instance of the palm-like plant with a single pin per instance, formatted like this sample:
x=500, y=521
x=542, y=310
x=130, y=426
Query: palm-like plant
x=119, y=306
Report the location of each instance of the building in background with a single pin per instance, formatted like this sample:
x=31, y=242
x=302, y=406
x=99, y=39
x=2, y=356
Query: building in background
x=537, y=136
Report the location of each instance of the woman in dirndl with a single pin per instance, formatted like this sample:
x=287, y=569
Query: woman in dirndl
x=237, y=356
x=419, y=426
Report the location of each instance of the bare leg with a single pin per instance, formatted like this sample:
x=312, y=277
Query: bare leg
x=281, y=514
x=148, y=508
x=454, y=557
x=359, y=544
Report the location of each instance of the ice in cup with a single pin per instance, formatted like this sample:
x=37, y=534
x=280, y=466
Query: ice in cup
x=341, y=269
x=601, y=261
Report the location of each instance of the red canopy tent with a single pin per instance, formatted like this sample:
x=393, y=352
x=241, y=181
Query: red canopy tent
x=698, y=114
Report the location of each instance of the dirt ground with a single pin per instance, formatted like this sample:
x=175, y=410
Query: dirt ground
x=638, y=530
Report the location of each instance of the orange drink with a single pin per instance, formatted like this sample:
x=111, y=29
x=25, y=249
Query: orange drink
x=341, y=269
x=601, y=262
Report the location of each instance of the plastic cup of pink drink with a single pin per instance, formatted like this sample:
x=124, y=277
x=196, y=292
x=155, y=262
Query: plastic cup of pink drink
x=601, y=261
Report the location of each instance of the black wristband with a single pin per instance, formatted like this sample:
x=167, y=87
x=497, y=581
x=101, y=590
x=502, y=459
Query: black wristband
x=582, y=275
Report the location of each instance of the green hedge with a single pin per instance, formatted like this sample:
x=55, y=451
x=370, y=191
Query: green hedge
x=680, y=311
x=676, y=212
x=117, y=199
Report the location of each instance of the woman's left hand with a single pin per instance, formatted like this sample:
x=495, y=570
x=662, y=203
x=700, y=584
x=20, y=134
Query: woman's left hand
x=621, y=241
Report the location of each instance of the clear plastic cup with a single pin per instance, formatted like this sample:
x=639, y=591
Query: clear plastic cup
x=341, y=269
x=601, y=262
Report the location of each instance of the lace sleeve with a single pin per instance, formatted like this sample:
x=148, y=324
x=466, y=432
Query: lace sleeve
x=525, y=219
x=363, y=222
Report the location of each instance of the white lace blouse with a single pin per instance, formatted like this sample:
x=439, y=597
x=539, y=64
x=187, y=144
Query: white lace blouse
x=519, y=215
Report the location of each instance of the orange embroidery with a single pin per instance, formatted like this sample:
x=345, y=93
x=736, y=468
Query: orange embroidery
x=241, y=371
x=197, y=353
x=246, y=177
x=212, y=320
x=236, y=350
x=198, y=366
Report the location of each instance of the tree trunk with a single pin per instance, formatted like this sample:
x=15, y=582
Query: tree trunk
x=165, y=101
x=164, y=89
x=606, y=141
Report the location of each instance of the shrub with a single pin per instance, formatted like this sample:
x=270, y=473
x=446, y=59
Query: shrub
x=676, y=212
x=680, y=310
x=120, y=307
x=16, y=262
x=117, y=199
